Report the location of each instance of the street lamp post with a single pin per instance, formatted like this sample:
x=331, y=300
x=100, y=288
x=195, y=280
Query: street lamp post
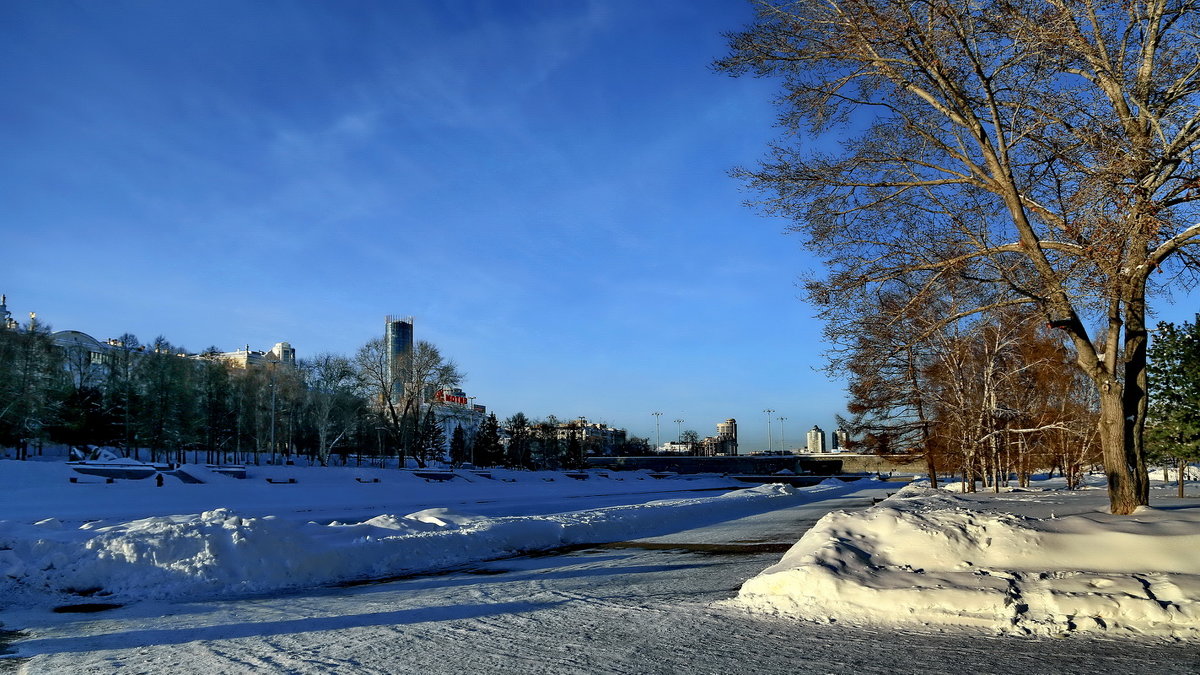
x=272, y=386
x=770, y=439
x=657, y=431
x=782, y=444
x=678, y=430
x=471, y=404
x=379, y=434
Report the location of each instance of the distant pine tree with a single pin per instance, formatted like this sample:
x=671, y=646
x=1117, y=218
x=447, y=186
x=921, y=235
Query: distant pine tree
x=519, y=434
x=431, y=439
x=488, y=450
x=459, y=453
x=573, y=458
x=546, y=448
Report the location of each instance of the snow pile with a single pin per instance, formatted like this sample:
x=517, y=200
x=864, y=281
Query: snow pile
x=221, y=553
x=927, y=557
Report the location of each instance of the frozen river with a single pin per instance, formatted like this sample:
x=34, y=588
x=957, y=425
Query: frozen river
x=646, y=606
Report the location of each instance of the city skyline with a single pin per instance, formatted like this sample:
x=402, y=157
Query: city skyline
x=250, y=351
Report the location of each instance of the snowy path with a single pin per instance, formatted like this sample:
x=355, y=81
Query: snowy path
x=638, y=607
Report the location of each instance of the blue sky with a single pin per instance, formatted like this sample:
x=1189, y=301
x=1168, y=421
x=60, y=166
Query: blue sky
x=543, y=185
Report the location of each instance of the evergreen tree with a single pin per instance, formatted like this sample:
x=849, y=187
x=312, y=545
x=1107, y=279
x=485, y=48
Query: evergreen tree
x=122, y=399
x=459, y=452
x=30, y=374
x=573, y=457
x=431, y=439
x=1174, y=415
x=81, y=419
x=546, y=448
x=519, y=441
x=488, y=449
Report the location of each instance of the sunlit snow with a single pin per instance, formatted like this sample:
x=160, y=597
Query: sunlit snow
x=1045, y=562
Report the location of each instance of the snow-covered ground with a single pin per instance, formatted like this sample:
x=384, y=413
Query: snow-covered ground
x=638, y=607
x=35, y=490
x=1040, y=561
x=1043, y=561
x=236, y=550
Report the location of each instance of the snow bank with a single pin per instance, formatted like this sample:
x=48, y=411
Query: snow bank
x=928, y=557
x=220, y=553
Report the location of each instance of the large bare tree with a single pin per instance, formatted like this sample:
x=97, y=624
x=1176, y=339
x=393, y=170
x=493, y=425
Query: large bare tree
x=332, y=404
x=1044, y=149
x=402, y=390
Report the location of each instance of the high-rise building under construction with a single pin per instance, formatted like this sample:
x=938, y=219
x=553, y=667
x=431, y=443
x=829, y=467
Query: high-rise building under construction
x=398, y=341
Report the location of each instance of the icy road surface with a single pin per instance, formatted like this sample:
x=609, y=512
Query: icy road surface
x=646, y=606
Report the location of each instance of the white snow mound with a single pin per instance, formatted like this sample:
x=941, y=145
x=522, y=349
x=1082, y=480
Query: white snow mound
x=222, y=553
x=927, y=557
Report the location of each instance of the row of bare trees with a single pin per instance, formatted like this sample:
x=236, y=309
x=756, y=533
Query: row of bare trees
x=986, y=398
x=1006, y=399
x=152, y=402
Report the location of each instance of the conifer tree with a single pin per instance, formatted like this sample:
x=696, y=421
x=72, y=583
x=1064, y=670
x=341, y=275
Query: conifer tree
x=29, y=370
x=519, y=441
x=488, y=450
x=459, y=452
x=547, y=448
x=431, y=439
x=1174, y=415
x=122, y=395
x=573, y=457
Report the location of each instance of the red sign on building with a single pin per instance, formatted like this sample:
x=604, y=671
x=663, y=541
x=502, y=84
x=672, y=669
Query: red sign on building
x=451, y=396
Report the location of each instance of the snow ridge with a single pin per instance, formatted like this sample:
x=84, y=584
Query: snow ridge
x=927, y=557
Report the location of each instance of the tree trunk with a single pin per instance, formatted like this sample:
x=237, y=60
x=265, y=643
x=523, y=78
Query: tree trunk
x=1135, y=394
x=931, y=468
x=1123, y=489
x=1182, y=470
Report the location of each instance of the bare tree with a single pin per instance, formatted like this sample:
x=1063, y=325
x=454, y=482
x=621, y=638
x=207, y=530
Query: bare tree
x=403, y=391
x=332, y=403
x=1043, y=149
x=887, y=370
